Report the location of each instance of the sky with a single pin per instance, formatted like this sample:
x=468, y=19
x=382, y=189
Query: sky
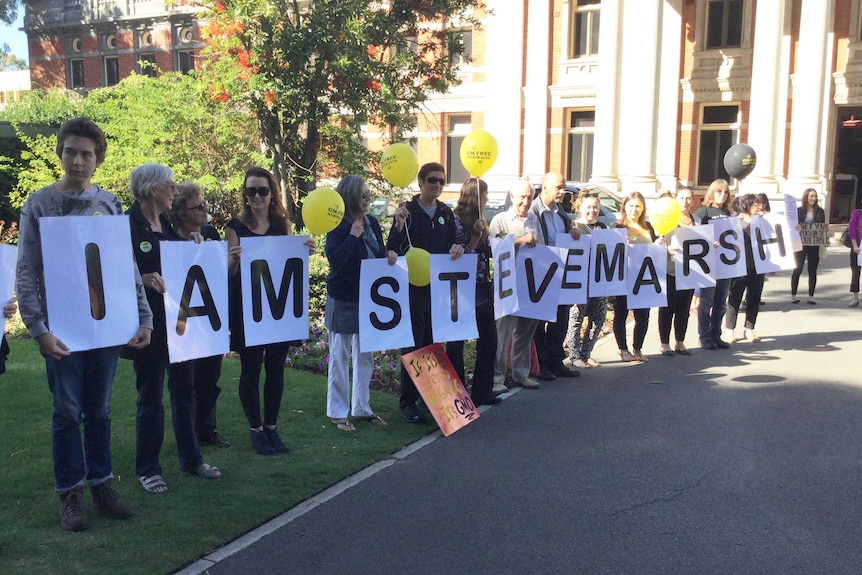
x=16, y=39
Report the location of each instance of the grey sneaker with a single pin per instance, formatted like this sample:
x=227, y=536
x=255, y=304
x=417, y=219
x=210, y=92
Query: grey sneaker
x=526, y=383
x=108, y=502
x=72, y=514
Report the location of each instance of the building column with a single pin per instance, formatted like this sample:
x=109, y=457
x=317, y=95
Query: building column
x=536, y=82
x=667, y=136
x=765, y=120
x=639, y=96
x=810, y=83
x=606, y=138
x=504, y=56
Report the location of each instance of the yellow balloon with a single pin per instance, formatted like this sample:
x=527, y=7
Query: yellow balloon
x=418, y=267
x=664, y=215
x=478, y=152
x=322, y=210
x=399, y=165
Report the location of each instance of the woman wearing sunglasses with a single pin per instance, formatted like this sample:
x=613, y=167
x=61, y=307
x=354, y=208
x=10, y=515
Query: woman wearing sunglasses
x=263, y=215
x=189, y=213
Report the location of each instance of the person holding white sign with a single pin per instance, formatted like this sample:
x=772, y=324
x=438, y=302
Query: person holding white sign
x=472, y=231
x=746, y=206
x=356, y=238
x=154, y=190
x=809, y=213
x=713, y=300
x=515, y=333
x=189, y=212
x=263, y=215
x=596, y=309
x=427, y=223
x=80, y=381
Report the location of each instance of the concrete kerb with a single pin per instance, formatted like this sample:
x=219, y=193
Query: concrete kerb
x=202, y=565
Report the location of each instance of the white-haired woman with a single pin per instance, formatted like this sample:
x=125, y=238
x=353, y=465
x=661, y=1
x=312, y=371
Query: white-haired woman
x=154, y=190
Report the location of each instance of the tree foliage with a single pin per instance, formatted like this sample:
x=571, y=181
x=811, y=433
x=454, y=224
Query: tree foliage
x=168, y=120
x=8, y=11
x=9, y=61
x=314, y=71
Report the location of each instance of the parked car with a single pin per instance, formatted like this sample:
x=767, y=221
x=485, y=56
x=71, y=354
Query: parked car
x=610, y=203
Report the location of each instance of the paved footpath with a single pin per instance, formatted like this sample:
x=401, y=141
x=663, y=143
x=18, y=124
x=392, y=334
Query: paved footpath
x=726, y=462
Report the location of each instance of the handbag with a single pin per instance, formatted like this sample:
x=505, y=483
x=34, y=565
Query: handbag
x=845, y=239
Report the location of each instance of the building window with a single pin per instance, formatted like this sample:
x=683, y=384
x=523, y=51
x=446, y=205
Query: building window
x=459, y=126
x=582, y=125
x=186, y=61
x=585, y=28
x=724, y=24
x=112, y=71
x=460, y=47
x=76, y=73
x=719, y=130
x=147, y=65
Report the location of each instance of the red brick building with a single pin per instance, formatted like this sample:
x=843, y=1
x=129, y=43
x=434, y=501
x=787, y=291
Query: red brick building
x=86, y=44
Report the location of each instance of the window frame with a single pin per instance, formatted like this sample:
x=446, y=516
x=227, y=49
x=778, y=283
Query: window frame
x=72, y=65
x=716, y=128
x=115, y=61
x=592, y=11
x=588, y=134
x=455, y=134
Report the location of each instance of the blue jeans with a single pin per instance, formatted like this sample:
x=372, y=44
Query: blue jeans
x=81, y=386
x=711, y=310
x=150, y=427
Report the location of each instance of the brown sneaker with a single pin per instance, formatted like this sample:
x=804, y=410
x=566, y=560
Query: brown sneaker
x=108, y=501
x=72, y=514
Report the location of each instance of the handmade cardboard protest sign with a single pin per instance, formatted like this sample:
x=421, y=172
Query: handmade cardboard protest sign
x=384, y=306
x=8, y=259
x=770, y=243
x=442, y=391
x=275, y=289
x=730, y=253
x=793, y=222
x=538, y=273
x=90, y=280
x=505, y=286
x=453, y=297
x=694, y=258
x=607, y=275
x=646, y=276
x=814, y=234
x=575, y=255
x=196, y=301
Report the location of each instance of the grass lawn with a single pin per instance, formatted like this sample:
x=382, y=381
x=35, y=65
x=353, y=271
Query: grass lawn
x=196, y=515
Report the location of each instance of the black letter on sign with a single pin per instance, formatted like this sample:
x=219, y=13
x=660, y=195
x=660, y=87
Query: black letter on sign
x=763, y=242
x=196, y=276
x=576, y=252
x=277, y=302
x=453, y=278
x=504, y=273
x=535, y=295
x=728, y=245
x=384, y=301
x=602, y=264
x=689, y=254
x=94, y=280
x=643, y=279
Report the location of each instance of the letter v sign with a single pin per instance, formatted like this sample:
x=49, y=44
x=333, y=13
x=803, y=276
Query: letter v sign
x=536, y=295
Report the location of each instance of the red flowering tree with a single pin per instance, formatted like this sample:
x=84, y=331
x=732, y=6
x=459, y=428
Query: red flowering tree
x=314, y=71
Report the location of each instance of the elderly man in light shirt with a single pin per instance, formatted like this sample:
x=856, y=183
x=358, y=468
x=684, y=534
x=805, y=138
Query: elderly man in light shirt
x=517, y=331
x=549, y=336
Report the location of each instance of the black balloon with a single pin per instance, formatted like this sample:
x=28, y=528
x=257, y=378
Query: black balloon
x=739, y=161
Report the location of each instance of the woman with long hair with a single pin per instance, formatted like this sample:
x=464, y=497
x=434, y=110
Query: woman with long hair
x=263, y=215
x=809, y=213
x=751, y=284
x=713, y=300
x=638, y=231
x=472, y=232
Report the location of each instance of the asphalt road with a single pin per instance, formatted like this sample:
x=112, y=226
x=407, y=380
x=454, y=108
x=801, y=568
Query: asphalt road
x=730, y=461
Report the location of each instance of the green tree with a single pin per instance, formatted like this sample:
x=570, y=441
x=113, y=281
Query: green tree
x=313, y=72
x=8, y=11
x=9, y=61
x=169, y=119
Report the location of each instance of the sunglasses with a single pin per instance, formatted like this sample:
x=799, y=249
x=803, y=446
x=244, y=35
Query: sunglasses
x=262, y=191
x=439, y=181
x=199, y=207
